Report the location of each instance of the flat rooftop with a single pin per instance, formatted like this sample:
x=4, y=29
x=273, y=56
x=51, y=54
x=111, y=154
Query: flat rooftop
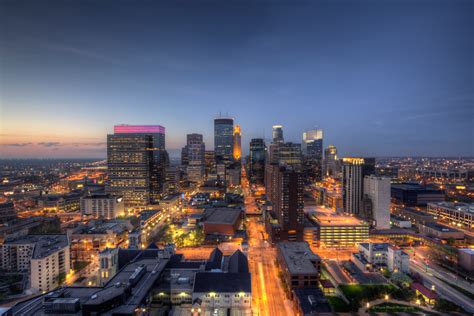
x=415, y=187
x=44, y=245
x=328, y=217
x=376, y=246
x=221, y=215
x=463, y=207
x=298, y=256
x=441, y=228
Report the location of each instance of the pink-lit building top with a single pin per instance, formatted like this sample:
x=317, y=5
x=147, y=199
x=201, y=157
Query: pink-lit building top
x=138, y=129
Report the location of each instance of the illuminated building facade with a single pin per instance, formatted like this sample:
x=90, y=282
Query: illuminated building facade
x=129, y=167
x=237, y=142
x=195, y=150
x=289, y=154
x=286, y=223
x=312, y=149
x=353, y=172
x=257, y=160
x=224, y=139
x=103, y=206
x=377, y=190
x=277, y=134
x=455, y=214
x=337, y=230
x=136, y=161
x=331, y=164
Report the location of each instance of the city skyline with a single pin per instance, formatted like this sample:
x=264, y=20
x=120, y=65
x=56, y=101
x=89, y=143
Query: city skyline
x=378, y=81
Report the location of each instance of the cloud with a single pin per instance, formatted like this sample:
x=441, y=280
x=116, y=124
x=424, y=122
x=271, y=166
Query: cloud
x=18, y=144
x=49, y=144
x=99, y=144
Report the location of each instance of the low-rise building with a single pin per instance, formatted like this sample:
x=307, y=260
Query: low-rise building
x=337, y=230
x=440, y=231
x=401, y=222
x=300, y=266
x=375, y=256
x=466, y=259
x=45, y=257
x=105, y=206
x=397, y=260
x=455, y=214
x=414, y=194
x=7, y=212
x=221, y=221
x=88, y=240
x=415, y=216
x=310, y=301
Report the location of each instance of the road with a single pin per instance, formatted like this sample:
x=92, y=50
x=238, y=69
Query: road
x=442, y=288
x=339, y=275
x=268, y=295
x=423, y=254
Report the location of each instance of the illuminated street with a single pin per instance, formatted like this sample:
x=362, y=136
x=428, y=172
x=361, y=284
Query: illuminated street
x=268, y=293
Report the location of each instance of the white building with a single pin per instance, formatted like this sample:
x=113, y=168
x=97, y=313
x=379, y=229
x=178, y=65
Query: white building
x=108, y=264
x=398, y=260
x=45, y=257
x=377, y=189
x=103, y=206
x=373, y=256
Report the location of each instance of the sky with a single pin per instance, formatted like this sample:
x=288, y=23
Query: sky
x=381, y=78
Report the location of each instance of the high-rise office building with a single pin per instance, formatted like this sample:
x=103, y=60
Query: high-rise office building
x=224, y=139
x=277, y=134
x=286, y=186
x=377, y=190
x=312, y=145
x=172, y=180
x=331, y=164
x=353, y=173
x=289, y=154
x=257, y=160
x=136, y=160
x=210, y=162
x=195, y=152
x=237, y=143
x=312, y=149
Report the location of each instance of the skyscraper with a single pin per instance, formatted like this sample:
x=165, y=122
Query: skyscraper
x=195, y=151
x=129, y=162
x=286, y=185
x=224, y=139
x=257, y=160
x=353, y=172
x=237, y=143
x=159, y=156
x=377, y=190
x=289, y=154
x=277, y=134
x=312, y=148
x=330, y=161
x=312, y=145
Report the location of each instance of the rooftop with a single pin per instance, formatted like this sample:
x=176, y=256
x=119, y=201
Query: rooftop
x=463, y=207
x=440, y=228
x=328, y=217
x=222, y=215
x=376, y=246
x=208, y=282
x=298, y=257
x=312, y=300
x=44, y=245
x=414, y=186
